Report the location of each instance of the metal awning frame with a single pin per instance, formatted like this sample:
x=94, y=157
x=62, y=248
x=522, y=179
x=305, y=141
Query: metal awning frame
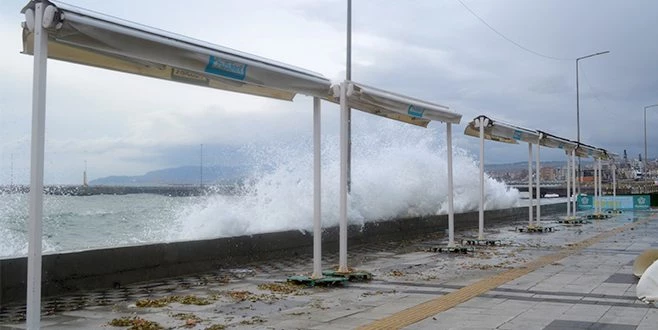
x=44, y=18
x=350, y=94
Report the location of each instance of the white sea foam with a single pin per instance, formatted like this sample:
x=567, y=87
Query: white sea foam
x=399, y=172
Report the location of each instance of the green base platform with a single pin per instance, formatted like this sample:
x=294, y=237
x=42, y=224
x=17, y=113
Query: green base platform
x=534, y=229
x=598, y=216
x=356, y=275
x=451, y=249
x=324, y=280
x=486, y=242
x=573, y=221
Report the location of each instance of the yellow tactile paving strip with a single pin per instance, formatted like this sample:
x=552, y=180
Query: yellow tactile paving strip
x=422, y=311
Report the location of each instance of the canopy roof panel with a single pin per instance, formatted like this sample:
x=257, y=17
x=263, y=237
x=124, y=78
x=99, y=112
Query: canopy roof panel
x=585, y=151
x=90, y=38
x=500, y=131
x=394, y=106
x=552, y=141
x=86, y=37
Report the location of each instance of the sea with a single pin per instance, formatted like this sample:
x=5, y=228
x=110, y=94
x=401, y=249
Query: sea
x=391, y=178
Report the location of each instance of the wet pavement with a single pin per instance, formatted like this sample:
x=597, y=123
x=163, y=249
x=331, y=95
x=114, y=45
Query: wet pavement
x=575, y=277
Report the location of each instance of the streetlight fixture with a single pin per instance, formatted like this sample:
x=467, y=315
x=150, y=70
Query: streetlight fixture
x=578, y=108
x=644, y=170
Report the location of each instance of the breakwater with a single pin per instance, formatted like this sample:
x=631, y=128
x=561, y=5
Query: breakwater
x=113, y=267
x=173, y=190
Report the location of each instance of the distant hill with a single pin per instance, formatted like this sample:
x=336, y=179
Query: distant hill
x=184, y=175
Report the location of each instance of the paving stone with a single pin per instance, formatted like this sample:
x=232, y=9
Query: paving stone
x=566, y=324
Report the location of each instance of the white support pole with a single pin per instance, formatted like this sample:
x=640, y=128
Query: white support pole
x=342, y=246
x=596, y=188
x=317, y=191
x=573, y=178
x=538, y=170
x=35, y=230
x=530, y=198
x=567, y=176
x=451, y=193
x=600, y=186
x=481, y=213
x=614, y=186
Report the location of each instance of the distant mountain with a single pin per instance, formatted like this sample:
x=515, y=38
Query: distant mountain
x=184, y=175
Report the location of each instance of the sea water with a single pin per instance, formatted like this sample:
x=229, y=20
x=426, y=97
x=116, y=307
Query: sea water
x=401, y=173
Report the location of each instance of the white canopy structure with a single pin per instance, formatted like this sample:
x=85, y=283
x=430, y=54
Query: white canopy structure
x=87, y=37
x=494, y=130
x=59, y=31
x=376, y=101
x=569, y=147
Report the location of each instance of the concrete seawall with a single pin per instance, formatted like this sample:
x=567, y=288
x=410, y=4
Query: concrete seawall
x=113, y=267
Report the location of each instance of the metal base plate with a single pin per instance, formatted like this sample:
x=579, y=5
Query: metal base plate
x=598, y=216
x=477, y=241
x=355, y=275
x=324, y=280
x=573, y=221
x=534, y=229
x=451, y=249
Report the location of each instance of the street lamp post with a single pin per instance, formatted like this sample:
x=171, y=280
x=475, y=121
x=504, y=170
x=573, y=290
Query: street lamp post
x=578, y=109
x=644, y=170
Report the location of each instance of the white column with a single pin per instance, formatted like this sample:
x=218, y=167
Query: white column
x=317, y=191
x=567, y=176
x=451, y=209
x=614, y=186
x=573, y=178
x=342, y=255
x=600, y=186
x=538, y=169
x=35, y=230
x=530, y=198
x=596, y=188
x=481, y=213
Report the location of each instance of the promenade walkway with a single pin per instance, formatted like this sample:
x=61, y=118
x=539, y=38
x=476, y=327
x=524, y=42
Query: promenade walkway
x=576, y=277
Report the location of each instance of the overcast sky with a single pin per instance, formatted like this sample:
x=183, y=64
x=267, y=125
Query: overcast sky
x=435, y=50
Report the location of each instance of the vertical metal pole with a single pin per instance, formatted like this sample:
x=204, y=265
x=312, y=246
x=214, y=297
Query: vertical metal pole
x=644, y=169
x=35, y=229
x=600, y=186
x=451, y=193
x=348, y=76
x=317, y=185
x=596, y=188
x=567, y=176
x=344, y=111
x=573, y=178
x=530, y=195
x=614, y=186
x=580, y=174
x=538, y=170
x=481, y=213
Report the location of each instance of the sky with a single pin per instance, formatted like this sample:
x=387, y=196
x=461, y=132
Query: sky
x=435, y=50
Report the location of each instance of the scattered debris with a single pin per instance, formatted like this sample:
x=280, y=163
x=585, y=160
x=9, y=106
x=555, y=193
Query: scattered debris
x=254, y=320
x=164, y=301
x=243, y=295
x=216, y=327
x=283, y=288
x=396, y=273
x=135, y=323
x=190, y=319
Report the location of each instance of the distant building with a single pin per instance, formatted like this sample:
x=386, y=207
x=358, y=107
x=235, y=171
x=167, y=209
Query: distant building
x=548, y=174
